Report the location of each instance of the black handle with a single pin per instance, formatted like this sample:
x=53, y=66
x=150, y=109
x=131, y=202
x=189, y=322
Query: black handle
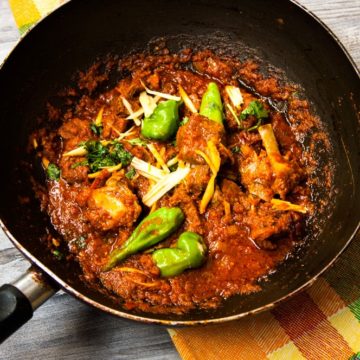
x=15, y=310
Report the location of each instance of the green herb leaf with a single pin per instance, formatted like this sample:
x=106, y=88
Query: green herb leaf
x=174, y=167
x=120, y=155
x=58, y=254
x=96, y=129
x=53, y=172
x=79, y=163
x=100, y=156
x=131, y=173
x=137, y=141
x=255, y=126
x=80, y=242
x=235, y=149
x=184, y=121
x=255, y=108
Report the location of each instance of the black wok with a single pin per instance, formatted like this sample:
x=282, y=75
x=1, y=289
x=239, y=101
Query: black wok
x=78, y=33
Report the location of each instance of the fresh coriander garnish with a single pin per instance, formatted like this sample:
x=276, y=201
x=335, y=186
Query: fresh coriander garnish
x=184, y=121
x=58, y=255
x=100, y=156
x=137, y=141
x=131, y=173
x=255, y=108
x=53, y=172
x=96, y=129
x=80, y=242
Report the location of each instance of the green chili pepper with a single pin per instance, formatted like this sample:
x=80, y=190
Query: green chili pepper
x=189, y=253
x=154, y=228
x=211, y=105
x=163, y=122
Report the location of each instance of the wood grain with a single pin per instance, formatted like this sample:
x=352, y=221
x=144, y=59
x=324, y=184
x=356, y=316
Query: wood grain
x=64, y=328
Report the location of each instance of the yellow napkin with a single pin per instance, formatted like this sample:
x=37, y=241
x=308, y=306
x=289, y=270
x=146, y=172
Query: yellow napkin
x=321, y=323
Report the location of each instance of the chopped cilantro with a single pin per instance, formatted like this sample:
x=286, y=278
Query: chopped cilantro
x=80, y=243
x=255, y=108
x=255, y=126
x=53, y=172
x=184, y=121
x=137, y=141
x=99, y=156
x=79, y=163
x=173, y=168
x=235, y=149
x=58, y=255
x=131, y=173
x=96, y=129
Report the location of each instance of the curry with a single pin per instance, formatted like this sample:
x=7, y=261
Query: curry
x=181, y=185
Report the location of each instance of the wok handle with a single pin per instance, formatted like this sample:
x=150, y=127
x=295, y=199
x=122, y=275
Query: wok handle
x=19, y=300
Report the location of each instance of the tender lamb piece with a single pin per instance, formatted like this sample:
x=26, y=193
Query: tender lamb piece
x=76, y=130
x=73, y=133
x=265, y=224
x=256, y=173
x=187, y=203
x=260, y=179
x=197, y=180
x=113, y=126
x=73, y=174
x=113, y=205
x=194, y=135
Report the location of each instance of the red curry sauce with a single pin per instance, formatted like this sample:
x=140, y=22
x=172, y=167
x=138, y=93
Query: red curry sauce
x=245, y=236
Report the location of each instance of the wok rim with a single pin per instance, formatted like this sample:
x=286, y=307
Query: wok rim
x=153, y=320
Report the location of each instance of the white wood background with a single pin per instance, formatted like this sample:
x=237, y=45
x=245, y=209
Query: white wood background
x=64, y=328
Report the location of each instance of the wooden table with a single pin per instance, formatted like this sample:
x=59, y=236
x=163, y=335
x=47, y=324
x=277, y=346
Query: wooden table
x=64, y=328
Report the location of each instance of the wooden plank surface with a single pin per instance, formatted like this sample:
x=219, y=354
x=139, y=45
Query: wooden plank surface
x=64, y=328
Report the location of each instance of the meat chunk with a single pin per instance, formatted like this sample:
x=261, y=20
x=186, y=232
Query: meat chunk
x=260, y=179
x=267, y=225
x=183, y=199
x=194, y=135
x=113, y=126
x=71, y=172
x=66, y=214
x=113, y=205
x=75, y=129
x=72, y=133
x=197, y=180
x=256, y=173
